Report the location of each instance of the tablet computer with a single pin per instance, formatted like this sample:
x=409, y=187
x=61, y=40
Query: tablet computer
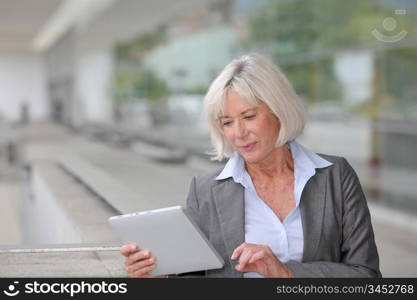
x=171, y=236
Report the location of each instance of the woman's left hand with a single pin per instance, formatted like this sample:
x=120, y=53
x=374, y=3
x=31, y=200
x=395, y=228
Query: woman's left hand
x=260, y=259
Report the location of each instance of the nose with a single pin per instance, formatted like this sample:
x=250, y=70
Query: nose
x=240, y=130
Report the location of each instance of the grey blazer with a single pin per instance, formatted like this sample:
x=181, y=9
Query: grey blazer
x=338, y=235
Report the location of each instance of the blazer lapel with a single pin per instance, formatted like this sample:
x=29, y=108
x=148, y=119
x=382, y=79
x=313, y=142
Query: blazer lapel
x=312, y=205
x=229, y=200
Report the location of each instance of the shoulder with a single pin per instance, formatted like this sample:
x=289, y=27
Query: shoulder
x=339, y=163
x=340, y=172
x=201, y=187
x=202, y=184
x=340, y=169
x=332, y=158
x=208, y=178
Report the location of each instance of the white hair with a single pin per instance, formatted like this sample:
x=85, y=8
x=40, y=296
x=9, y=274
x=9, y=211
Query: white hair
x=254, y=78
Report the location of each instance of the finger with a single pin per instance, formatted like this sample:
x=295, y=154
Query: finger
x=133, y=258
x=259, y=255
x=144, y=272
x=140, y=265
x=128, y=249
x=236, y=253
x=256, y=263
x=267, y=256
x=245, y=257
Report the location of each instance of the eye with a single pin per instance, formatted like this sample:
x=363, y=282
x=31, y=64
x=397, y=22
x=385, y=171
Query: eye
x=226, y=123
x=249, y=117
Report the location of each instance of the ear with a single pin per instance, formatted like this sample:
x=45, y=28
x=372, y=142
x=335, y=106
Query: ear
x=278, y=128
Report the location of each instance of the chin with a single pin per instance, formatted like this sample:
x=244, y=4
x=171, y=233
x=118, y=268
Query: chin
x=255, y=157
x=251, y=158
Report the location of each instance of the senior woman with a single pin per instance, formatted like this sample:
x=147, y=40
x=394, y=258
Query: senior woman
x=276, y=209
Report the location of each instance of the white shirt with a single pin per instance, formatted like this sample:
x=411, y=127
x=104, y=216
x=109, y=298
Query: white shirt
x=262, y=226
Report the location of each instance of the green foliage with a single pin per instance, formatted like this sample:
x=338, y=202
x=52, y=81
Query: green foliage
x=314, y=79
x=401, y=66
x=151, y=87
x=303, y=35
x=341, y=24
x=124, y=86
x=135, y=49
x=139, y=84
x=400, y=78
x=198, y=90
x=132, y=80
x=300, y=26
x=286, y=24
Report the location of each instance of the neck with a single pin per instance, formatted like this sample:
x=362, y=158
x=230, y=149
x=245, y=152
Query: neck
x=277, y=163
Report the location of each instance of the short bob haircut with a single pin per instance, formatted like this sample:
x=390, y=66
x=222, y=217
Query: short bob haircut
x=254, y=78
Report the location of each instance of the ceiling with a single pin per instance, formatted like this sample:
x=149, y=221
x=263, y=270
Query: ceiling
x=22, y=20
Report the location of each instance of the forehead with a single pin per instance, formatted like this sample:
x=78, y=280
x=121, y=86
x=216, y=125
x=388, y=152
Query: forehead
x=233, y=103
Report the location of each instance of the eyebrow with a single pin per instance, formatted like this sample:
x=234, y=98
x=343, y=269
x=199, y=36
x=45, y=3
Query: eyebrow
x=242, y=113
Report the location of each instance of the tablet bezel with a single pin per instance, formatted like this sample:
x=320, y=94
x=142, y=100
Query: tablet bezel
x=194, y=250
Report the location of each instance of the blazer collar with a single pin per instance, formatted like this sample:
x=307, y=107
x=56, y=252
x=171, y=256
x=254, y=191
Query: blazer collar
x=229, y=201
x=312, y=205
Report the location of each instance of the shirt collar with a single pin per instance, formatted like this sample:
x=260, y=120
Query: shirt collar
x=234, y=168
x=305, y=162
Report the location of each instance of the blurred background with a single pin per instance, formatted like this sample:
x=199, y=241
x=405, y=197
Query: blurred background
x=101, y=102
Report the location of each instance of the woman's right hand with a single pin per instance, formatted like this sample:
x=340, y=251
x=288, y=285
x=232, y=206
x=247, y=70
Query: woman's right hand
x=138, y=262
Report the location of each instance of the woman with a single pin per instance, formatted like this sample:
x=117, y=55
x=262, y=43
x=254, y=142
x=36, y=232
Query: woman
x=276, y=209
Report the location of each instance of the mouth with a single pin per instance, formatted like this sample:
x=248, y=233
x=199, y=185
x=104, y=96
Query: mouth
x=247, y=147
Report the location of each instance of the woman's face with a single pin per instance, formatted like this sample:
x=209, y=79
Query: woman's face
x=252, y=130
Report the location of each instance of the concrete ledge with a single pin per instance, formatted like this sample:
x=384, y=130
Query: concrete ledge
x=47, y=262
x=61, y=211
x=162, y=154
x=101, y=183
x=70, y=224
